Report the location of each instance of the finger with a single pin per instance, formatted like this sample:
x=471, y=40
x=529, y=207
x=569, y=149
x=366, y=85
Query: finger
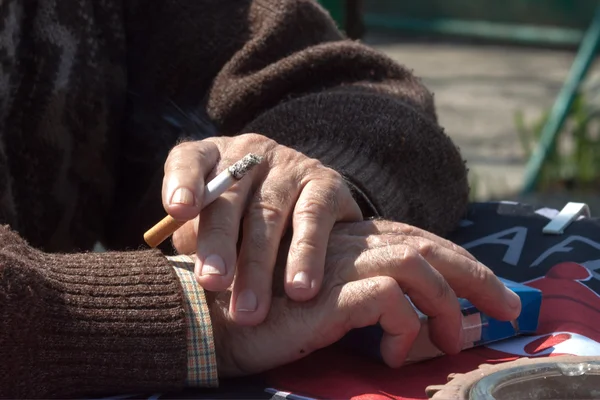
x=422, y=283
x=468, y=277
x=218, y=234
x=263, y=226
x=378, y=300
x=184, y=239
x=471, y=280
x=322, y=202
x=385, y=227
x=265, y=222
x=186, y=168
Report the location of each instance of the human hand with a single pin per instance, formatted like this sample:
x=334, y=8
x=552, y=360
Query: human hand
x=370, y=267
x=287, y=187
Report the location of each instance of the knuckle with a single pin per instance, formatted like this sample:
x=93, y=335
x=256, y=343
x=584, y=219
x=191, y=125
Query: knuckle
x=406, y=230
x=395, y=228
x=426, y=248
x=275, y=196
x=411, y=258
x=220, y=232
x=384, y=255
x=312, y=168
x=255, y=139
x=401, y=229
x=272, y=215
x=305, y=245
x=389, y=290
x=310, y=164
x=250, y=138
x=455, y=248
x=294, y=165
x=335, y=178
x=314, y=208
x=378, y=241
x=379, y=290
x=322, y=201
x=264, y=145
x=267, y=212
x=481, y=276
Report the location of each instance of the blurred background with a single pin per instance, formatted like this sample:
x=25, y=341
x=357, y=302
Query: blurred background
x=516, y=83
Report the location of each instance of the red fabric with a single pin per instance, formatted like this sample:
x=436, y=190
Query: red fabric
x=569, y=324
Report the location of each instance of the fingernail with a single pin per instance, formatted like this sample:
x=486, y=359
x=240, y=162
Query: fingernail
x=512, y=299
x=213, y=265
x=301, y=281
x=183, y=196
x=246, y=301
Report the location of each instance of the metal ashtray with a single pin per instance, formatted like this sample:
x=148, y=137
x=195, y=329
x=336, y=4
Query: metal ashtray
x=549, y=378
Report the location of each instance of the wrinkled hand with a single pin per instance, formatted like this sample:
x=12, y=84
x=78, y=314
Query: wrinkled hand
x=287, y=187
x=370, y=268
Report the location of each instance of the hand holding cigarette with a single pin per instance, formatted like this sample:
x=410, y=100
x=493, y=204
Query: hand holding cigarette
x=224, y=181
x=286, y=190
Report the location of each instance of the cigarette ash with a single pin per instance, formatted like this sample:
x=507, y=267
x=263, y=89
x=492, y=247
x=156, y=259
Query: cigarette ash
x=242, y=167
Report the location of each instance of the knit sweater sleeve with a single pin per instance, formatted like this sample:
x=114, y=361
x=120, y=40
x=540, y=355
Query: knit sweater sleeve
x=351, y=107
x=88, y=323
x=282, y=69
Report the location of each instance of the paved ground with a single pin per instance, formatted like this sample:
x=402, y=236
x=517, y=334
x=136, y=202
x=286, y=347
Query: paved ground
x=478, y=90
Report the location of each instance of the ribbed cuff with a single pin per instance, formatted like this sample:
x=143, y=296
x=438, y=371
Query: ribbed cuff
x=202, y=360
x=126, y=321
x=89, y=323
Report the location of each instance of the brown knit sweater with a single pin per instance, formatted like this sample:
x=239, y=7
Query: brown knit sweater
x=94, y=93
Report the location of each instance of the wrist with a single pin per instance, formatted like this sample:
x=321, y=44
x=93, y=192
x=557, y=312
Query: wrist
x=218, y=306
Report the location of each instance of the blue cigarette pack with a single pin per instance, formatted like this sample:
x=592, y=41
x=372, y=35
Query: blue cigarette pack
x=479, y=329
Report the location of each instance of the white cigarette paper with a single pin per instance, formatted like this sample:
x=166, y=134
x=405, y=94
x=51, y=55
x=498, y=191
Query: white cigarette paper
x=215, y=188
x=226, y=179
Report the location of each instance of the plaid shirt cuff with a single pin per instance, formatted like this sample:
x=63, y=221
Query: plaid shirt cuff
x=202, y=361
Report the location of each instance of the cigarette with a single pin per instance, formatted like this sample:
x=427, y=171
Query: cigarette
x=215, y=188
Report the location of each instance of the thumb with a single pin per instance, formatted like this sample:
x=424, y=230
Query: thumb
x=186, y=168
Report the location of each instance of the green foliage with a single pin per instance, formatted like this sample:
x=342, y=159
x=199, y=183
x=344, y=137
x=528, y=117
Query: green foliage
x=474, y=186
x=574, y=163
